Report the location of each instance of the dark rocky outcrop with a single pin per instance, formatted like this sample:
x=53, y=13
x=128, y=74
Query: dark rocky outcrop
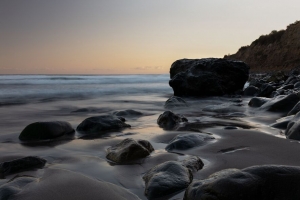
x=175, y=102
x=129, y=150
x=169, y=120
x=101, y=123
x=258, y=101
x=282, y=103
x=166, y=178
x=187, y=141
x=293, y=128
x=207, y=77
x=45, y=130
x=20, y=165
x=258, y=182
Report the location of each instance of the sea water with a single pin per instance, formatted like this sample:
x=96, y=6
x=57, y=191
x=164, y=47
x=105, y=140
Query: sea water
x=25, y=99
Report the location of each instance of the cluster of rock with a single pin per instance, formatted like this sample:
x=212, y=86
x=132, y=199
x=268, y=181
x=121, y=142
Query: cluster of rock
x=280, y=93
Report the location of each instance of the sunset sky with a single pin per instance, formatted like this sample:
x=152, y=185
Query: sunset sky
x=129, y=36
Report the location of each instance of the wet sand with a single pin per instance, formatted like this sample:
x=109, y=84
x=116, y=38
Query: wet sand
x=77, y=168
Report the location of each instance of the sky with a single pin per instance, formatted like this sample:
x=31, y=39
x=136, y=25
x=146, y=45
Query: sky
x=129, y=36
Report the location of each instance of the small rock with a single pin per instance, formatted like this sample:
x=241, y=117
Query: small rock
x=251, y=91
x=293, y=128
x=193, y=163
x=169, y=120
x=295, y=109
x=187, y=141
x=45, y=130
x=102, y=123
x=266, y=90
x=129, y=150
x=128, y=113
x=175, y=102
x=22, y=164
x=281, y=103
x=258, y=101
x=166, y=178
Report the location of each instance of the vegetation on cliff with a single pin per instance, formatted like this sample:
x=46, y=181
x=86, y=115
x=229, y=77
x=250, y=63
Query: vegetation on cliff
x=279, y=50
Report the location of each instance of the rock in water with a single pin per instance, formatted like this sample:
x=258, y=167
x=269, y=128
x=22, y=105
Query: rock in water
x=187, y=141
x=166, y=178
x=293, y=128
x=258, y=182
x=129, y=150
x=45, y=130
x=257, y=101
x=128, y=113
x=101, y=123
x=169, y=120
x=281, y=103
x=206, y=77
x=22, y=164
x=251, y=91
x=193, y=163
x=175, y=102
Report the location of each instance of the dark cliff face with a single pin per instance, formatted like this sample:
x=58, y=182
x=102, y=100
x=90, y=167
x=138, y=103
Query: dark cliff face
x=279, y=50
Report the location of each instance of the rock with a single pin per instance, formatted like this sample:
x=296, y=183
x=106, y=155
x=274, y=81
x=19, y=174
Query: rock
x=295, y=109
x=297, y=85
x=287, y=87
x=129, y=150
x=293, y=128
x=266, y=90
x=282, y=123
x=128, y=113
x=257, y=182
x=193, y=163
x=20, y=165
x=101, y=123
x=207, y=77
x=45, y=130
x=251, y=91
x=175, y=102
x=187, y=141
x=257, y=101
x=169, y=120
x=166, y=178
x=281, y=103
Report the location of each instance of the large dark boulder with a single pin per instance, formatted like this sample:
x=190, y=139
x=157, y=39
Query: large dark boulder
x=169, y=120
x=258, y=182
x=187, y=141
x=129, y=150
x=166, y=178
x=281, y=103
x=101, y=123
x=45, y=130
x=21, y=164
x=206, y=77
x=295, y=109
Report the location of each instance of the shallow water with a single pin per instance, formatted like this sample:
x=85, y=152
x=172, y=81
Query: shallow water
x=27, y=99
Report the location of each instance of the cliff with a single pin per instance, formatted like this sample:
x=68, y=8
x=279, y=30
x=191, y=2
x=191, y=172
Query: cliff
x=279, y=50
